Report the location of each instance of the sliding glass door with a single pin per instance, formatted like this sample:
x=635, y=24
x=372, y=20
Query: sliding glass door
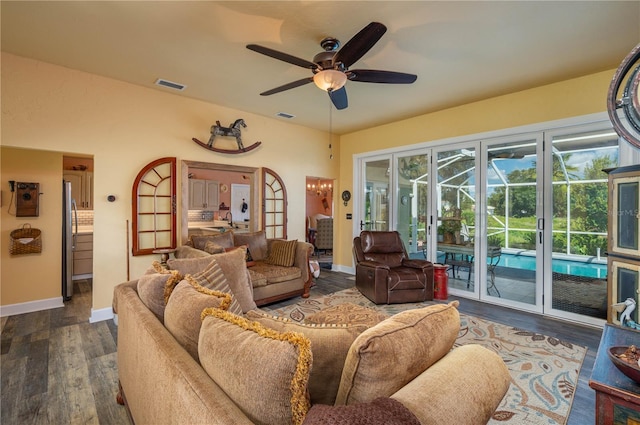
x=454, y=212
x=576, y=281
x=411, y=176
x=512, y=221
x=376, y=183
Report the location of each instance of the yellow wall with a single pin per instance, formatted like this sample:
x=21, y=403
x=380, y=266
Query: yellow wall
x=572, y=98
x=124, y=127
x=31, y=277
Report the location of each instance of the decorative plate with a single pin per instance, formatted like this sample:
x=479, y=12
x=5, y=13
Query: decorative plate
x=224, y=188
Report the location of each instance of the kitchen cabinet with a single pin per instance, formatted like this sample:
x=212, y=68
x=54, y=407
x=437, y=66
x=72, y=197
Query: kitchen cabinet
x=83, y=254
x=203, y=195
x=81, y=187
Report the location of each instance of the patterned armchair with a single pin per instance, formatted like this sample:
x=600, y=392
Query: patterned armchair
x=324, y=234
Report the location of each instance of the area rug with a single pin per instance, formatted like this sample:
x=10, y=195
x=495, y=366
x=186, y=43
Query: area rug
x=544, y=370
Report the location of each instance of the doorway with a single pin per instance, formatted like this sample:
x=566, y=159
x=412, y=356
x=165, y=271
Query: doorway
x=319, y=210
x=225, y=175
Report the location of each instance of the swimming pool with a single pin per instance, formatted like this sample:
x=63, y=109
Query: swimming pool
x=565, y=266
x=592, y=267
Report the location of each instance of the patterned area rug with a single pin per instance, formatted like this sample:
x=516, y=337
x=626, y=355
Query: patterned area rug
x=544, y=370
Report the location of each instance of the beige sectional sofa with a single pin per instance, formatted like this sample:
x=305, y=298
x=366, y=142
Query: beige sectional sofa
x=271, y=280
x=193, y=350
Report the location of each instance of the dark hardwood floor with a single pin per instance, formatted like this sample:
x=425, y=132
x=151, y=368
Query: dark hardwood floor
x=57, y=368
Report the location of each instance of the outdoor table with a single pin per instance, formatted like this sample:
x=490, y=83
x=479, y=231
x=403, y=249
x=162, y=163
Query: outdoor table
x=458, y=256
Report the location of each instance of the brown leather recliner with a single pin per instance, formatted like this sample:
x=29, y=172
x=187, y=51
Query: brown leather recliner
x=384, y=272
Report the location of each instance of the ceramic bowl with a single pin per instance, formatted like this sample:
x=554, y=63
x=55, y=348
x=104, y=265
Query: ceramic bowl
x=629, y=369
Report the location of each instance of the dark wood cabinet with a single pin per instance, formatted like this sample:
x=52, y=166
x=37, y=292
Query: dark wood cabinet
x=624, y=240
x=617, y=396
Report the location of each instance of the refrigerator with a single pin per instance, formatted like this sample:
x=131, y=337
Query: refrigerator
x=69, y=234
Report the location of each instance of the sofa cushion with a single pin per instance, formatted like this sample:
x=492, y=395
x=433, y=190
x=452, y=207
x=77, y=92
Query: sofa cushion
x=264, y=371
x=234, y=268
x=381, y=411
x=225, y=240
x=213, y=248
x=329, y=345
x=347, y=313
x=151, y=290
x=257, y=279
x=387, y=356
x=275, y=274
x=188, y=251
x=182, y=315
x=282, y=253
x=255, y=241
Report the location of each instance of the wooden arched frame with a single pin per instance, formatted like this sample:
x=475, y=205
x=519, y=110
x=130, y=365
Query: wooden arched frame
x=274, y=205
x=154, y=207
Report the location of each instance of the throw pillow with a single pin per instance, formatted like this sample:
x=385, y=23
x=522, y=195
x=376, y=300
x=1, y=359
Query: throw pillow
x=214, y=278
x=151, y=290
x=188, y=251
x=256, y=241
x=263, y=371
x=282, y=253
x=381, y=411
x=329, y=345
x=225, y=240
x=234, y=268
x=386, y=357
x=190, y=266
x=182, y=315
x=247, y=258
x=347, y=313
x=213, y=248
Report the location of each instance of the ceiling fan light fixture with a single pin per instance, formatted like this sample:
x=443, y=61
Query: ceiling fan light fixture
x=330, y=79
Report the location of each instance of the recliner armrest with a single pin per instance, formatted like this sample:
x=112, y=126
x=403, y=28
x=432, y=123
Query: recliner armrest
x=373, y=264
x=417, y=264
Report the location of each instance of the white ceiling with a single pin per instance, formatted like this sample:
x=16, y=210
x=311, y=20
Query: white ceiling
x=461, y=51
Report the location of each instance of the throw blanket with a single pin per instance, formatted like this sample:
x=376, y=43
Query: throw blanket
x=381, y=411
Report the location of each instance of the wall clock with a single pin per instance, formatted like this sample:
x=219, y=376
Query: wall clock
x=346, y=195
x=623, y=99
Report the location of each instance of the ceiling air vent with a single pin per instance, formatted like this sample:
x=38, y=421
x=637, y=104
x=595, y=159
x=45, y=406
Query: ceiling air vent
x=285, y=115
x=170, y=84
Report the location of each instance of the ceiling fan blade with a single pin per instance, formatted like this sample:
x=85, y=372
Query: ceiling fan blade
x=282, y=56
x=386, y=77
x=339, y=98
x=291, y=85
x=360, y=44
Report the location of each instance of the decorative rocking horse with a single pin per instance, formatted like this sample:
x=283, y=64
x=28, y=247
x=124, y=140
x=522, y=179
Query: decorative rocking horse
x=234, y=131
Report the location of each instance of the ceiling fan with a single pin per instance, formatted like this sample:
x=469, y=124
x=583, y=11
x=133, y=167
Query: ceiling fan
x=331, y=67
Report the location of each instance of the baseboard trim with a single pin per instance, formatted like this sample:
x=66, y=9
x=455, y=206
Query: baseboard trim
x=30, y=306
x=101, y=314
x=343, y=269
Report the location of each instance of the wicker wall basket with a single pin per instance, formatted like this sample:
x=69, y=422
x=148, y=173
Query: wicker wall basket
x=26, y=241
